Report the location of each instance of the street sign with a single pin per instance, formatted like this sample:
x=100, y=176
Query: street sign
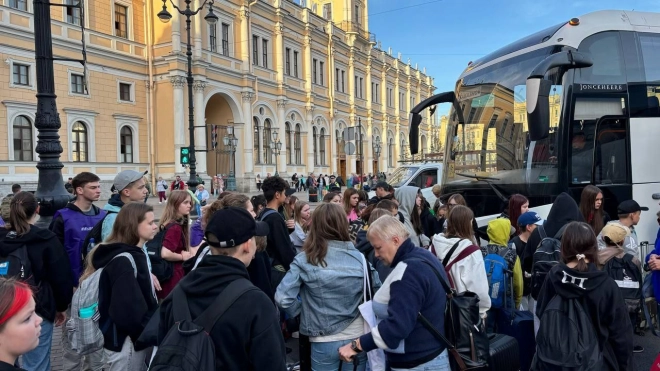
x=349, y=148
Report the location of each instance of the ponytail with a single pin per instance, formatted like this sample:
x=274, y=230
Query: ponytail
x=22, y=208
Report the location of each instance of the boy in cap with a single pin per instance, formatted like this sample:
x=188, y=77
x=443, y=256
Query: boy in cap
x=629, y=214
x=248, y=335
x=130, y=187
x=527, y=222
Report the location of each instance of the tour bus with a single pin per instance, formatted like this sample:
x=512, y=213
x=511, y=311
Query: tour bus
x=572, y=105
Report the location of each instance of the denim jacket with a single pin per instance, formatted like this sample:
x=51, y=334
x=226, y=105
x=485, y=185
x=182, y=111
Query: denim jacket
x=330, y=295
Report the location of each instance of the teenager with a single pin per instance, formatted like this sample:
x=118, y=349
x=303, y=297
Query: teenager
x=20, y=325
x=279, y=246
x=303, y=219
x=591, y=207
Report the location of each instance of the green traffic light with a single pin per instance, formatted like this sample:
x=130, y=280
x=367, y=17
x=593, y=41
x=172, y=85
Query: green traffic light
x=184, y=151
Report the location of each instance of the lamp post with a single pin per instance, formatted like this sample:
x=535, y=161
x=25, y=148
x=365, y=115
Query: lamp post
x=212, y=19
x=276, y=148
x=377, y=147
x=230, y=141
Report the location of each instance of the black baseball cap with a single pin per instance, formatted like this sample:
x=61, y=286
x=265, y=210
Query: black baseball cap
x=629, y=207
x=289, y=191
x=384, y=185
x=232, y=227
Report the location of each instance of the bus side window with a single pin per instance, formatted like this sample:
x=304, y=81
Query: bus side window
x=611, y=160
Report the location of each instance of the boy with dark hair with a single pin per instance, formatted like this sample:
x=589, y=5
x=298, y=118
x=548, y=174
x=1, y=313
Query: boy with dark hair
x=279, y=246
x=71, y=226
x=15, y=188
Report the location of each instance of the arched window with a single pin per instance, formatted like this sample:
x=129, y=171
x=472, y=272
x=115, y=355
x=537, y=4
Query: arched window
x=257, y=139
x=126, y=144
x=23, y=139
x=79, y=142
x=268, y=153
x=341, y=143
x=315, y=136
x=390, y=152
x=322, y=145
x=287, y=142
x=297, y=145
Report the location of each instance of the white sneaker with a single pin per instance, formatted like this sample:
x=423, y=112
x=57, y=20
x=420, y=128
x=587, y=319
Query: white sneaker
x=160, y=202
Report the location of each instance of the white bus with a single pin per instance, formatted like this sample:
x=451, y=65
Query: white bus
x=574, y=104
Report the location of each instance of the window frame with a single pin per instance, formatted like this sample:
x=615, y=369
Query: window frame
x=127, y=19
x=297, y=145
x=225, y=32
x=255, y=50
x=30, y=129
x=72, y=92
x=295, y=64
x=131, y=92
x=123, y=145
x=264, y=52
x=73, y=12
x=287, y=61
x=75, y=136
x=213, y=37
x=27, y=5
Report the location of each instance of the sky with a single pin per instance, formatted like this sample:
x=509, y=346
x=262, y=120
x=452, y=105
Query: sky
x=444, y=35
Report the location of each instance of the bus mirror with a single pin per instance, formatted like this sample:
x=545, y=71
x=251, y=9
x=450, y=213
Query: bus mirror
x=413, y=135
x=416, y=118
x=538, y=107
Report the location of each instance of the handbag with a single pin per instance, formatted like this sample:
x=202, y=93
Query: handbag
x=375, y=357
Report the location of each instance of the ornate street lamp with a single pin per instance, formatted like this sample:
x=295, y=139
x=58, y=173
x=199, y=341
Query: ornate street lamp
x=377, y=147
x=165, y=16
x=276, y=148
x=230, y=141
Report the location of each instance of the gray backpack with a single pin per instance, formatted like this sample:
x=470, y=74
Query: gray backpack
x=83, y=330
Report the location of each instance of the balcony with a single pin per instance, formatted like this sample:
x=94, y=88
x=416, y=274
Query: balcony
x=353, y=27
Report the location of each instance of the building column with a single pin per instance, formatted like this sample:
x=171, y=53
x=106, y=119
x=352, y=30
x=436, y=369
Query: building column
x=176, y=33
x=248, y=138
x=200, y=126
x=317, y=155
x=246, y=41
x=281, y=158
x=310, y=139
x=369, y=148
x=384, y=149
x=397, y=143
x=179, y=128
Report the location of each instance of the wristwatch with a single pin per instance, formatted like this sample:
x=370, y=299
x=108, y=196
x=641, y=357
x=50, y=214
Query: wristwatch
x=354, y=346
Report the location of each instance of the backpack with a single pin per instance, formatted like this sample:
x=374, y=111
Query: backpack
x=467, y=341
x=628, y=277
x=160, y=267
x=94, y=236
x=566, y=338
x=546, y=256
x=83, y=330
x=497, y=263
x=17, y=264
x=265, y=214
x=463, y=254
x=188, y=345
x=5, y=206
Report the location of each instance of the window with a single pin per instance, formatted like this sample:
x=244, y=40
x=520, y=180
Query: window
x=73, y=14
x=357, y=14
x=264, y=51
x=375, y=87
x=257, y=139
x=610, y=155
x=314, y=62
x=402, y=101
x=287, y=142
x=412, y=102
x=327, y=11
x=268, y=153
x=22, y=139
x=79, y=142
x=295, y=64
x=343, y=88
x=321, y=67
x=297, y=145
x=77, y=84
x=390, y=102
x=337, y=79
x=21, y=74
x=287, y=62
x=315, y=137
x=473, y=111
x=511, y=132
x=361, y=87
x=126, y=144
x=355, y=84
x=358, y=87
x=322, y=147
x=225, y=39
x=213, y=38
x=255, y=50
x=125, y=92
x=121, y=21
x=18, y=4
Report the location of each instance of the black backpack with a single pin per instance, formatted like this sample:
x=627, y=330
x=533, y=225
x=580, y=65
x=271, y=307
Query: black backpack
x=467, y=340
x=546, y=256
x=628, y=277
x=17, y=264
x=160, y=267
x=95, y=233
x=567, y=339
x=188, y=345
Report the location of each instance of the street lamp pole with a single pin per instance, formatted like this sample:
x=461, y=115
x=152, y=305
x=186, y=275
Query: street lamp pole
x=212, y=19
x=276, y=147
x=377, y=147
x=231, y=142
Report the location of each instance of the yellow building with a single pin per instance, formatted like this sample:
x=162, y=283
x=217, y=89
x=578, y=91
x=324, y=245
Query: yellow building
x=305, y=70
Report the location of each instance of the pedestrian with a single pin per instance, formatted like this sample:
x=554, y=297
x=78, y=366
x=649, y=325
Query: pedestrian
x=221, y=183
x=161, y=187
x=332, y=197
x=518, y=205
x=68, y=186
x=49, y=270
x=248, y=335
x=126, y=294
x=259, y=182
x=177, y=184
x=131, y=187
x=71, y=226
x=413, y=289
x=351, y=198
x=527, y=223
x=407, y=197
x=592, y=206
x=330, y=269
x=203, y=197
x=147, y=185
x=258, y=204
x=20, y=326
x=629, y=213
x=303, y=218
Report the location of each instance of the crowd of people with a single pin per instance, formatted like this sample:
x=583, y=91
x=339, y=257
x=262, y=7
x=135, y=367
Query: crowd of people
x=358, y=280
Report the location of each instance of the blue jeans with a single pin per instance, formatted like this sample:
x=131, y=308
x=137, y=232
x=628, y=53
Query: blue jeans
x=38, y=359
x=439, y=363
x=325, y=357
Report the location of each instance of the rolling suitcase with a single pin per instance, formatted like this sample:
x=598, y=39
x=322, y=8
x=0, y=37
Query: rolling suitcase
x=519, y=324
x=504, y=354
x=313, y=194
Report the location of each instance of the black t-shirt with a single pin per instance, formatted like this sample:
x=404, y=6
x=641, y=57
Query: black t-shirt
x=520, y=248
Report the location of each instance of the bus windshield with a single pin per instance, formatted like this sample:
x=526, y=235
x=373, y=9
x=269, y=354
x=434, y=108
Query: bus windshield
x=494, y=140
x=401, y=175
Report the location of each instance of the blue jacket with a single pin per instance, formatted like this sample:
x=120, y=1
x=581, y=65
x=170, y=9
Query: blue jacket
x=656, y=274
x=411, y=288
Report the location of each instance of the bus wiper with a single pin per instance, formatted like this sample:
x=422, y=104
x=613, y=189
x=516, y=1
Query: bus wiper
x=487, y=180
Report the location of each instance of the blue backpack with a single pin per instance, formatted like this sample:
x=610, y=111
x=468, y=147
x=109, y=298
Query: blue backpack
x=497, y=267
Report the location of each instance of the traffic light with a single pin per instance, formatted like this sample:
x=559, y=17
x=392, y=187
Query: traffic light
x=185, y=155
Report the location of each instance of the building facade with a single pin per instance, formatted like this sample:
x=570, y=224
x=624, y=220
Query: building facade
x=274, y=70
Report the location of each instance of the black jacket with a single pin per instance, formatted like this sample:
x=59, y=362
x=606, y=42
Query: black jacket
x=49, y=265
x=7, y=367
x=430, y=224
x=564, y=210
x=248, y=335
x=126, y=303
x=57, y=224
x=364, y=246
x=605, y=305
x=279, y=248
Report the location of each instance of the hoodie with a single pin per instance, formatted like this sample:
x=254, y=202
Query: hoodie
x=499, y=231
x=49, y=265
x=251, y=323
x=126, y=302
x=469, y=274
x=113, y=207
x=563, y=211
x=603, y=302
x=406, y=196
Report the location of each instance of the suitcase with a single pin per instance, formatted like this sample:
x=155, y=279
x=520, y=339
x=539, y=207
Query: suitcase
x=504, y=354
x=313, y=194
x=519, y=324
